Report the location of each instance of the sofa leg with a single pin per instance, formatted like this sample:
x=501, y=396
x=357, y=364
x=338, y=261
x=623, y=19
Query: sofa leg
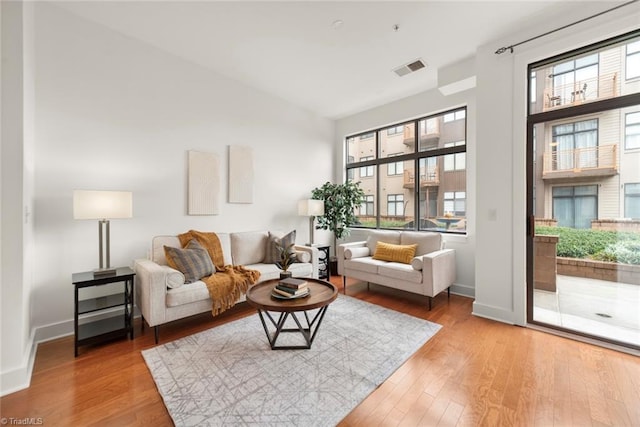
x=344, y=284
x=156, y=332
x=141, y=323
x=449, y=292
x=430, y=303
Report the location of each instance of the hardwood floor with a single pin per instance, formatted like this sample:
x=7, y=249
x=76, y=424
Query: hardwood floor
x=473, y=372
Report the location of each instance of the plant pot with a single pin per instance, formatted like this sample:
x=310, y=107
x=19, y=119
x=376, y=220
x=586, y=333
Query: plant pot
x=333, y=266
x=285, y=274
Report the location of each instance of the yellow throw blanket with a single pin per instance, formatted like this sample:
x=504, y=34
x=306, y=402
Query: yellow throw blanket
x=230, y=281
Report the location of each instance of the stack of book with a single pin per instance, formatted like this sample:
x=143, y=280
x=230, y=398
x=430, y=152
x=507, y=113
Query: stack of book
x=291, y=288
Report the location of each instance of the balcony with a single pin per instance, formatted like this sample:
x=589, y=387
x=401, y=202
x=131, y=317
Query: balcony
x=581, y=162
x=429, y=177
x=429, y=135
x=587, y=90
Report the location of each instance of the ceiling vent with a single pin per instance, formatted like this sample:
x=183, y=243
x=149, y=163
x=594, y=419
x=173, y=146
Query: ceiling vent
x=409, y=68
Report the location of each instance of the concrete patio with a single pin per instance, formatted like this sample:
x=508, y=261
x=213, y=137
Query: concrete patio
x=597, y=307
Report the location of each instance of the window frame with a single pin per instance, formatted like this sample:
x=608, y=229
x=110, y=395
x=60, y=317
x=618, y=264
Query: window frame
x=628, y=125
x=398, y=198
x=635, y=54
x=369, y=169
x=377, y=161
x=395, y=166
x=634, y=195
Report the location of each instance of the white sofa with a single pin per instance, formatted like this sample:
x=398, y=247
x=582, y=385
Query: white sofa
x=430, y=272
x=162, y=296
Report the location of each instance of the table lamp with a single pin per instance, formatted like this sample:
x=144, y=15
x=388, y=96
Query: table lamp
x=311, y=208
x=103, y=206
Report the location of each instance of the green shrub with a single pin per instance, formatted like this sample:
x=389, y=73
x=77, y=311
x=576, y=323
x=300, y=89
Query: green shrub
x=596, y=244
x=625, y=252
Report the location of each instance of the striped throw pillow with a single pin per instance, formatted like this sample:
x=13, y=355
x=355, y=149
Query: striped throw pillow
x=396, y=253
x=193, y=261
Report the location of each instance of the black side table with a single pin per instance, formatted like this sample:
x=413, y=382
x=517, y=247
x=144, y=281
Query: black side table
x=323, y=262
x=111, y=327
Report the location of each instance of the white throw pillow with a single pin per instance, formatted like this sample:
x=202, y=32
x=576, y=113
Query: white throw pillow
x=173, y=278
x=303, y=256
x=350, y=253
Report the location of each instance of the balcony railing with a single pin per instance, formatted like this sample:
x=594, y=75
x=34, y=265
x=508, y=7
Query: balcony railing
x=429, y=177
x=429, y=130
x=586, y=90
x=591, y=161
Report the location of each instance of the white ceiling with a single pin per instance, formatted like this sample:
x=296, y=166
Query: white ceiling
x=292, y=50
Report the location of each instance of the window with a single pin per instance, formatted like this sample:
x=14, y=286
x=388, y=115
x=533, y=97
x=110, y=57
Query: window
x=395, y=168
x=366, y=209
x=633, y=60
x=632, y=201
x=576, y=157
x=455, y=162
x=367, y=135
x=576, y=80
x=429, y=170
x=366, y=171
x=575, y=207
x=455, y=203
x=574, y=145
x=350, y=172
x=533, y=87
x=395, y=204
x=411, y=195
x=632, y=131
x=456, y=115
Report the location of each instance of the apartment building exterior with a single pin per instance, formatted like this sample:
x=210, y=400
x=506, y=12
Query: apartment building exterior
x=588, y=167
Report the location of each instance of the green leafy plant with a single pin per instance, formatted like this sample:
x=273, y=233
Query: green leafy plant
x=340, y=202
x=602, y=245
x=287, y=256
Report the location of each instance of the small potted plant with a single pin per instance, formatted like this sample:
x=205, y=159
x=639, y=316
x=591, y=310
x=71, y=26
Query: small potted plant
x=287, y=256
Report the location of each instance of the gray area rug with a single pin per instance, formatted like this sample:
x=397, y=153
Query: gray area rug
x=228, y=375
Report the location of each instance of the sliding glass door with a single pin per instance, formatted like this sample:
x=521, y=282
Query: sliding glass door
x=583, y=149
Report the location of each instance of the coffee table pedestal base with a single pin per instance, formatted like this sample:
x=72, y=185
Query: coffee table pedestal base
x=308, y=328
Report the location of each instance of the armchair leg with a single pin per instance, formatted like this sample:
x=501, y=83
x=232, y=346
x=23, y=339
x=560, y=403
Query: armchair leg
x=449, y=292
x=430, y=303
x=156, y=332
x=141, y=323
x=344, y=284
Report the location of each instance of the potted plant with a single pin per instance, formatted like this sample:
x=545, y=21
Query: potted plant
x=340, y=202
x=287, y=256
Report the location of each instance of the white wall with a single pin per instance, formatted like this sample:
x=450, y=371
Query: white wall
x=501, y=158
x=17, y=192
x=420, y=105
x=116, y=114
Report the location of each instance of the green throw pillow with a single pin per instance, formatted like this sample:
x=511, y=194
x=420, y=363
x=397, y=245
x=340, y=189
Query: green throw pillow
x=193, y=261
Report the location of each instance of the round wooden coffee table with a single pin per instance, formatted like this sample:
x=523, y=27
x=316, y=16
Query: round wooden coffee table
x=321, y=294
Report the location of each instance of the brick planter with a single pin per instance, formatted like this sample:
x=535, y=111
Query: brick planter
x=544, y=274
x=610, y=271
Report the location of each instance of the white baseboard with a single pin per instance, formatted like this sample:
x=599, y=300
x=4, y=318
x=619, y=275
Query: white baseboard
x=464, y=290
x=20, y=378
x=493, y=313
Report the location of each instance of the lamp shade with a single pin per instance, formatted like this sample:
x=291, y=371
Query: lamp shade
x=102, y=204
x=311, y=207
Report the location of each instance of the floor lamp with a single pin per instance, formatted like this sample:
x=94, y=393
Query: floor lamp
x=311, y=208
x=103, y=206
